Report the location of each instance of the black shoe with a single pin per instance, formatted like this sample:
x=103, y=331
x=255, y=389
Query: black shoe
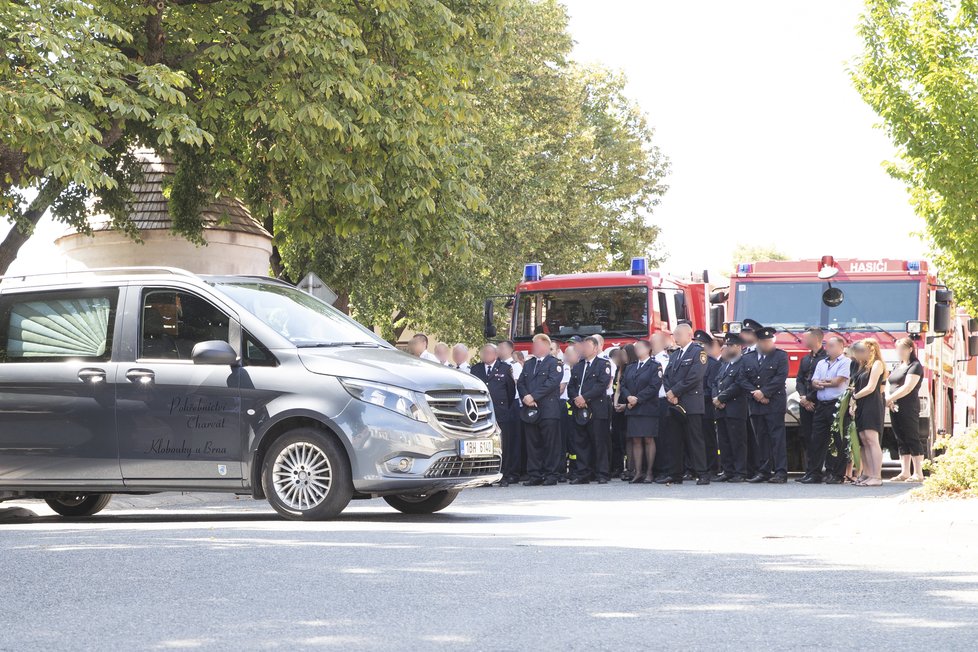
x=703, y=480
x=638, y=479
x=689, y=476
x=602, y=480
x=549, y=482
x=580, y=481
x=810, y=479
x=562, y=478
x=668, y=480
x=833, y=479
x=721, y=477
x=778, y=479
x=533, y=483
x=735, y=479
x=504, y=482
x=804, y=479
x=758, y=479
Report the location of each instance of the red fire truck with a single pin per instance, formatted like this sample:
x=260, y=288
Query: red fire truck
x=621, y=306
x=857, y=299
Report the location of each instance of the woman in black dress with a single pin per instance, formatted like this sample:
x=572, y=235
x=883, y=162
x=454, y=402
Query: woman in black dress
x=903, y=399
x=868, y=394
x=639, y=393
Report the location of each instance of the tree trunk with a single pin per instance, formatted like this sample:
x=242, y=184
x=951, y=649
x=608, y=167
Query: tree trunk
x=22, y=232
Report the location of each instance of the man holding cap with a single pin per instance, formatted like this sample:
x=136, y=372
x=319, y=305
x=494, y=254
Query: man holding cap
x=730, y=400
x=539, y=390
x=587, y=392
x=683, y=380
x=765, y=373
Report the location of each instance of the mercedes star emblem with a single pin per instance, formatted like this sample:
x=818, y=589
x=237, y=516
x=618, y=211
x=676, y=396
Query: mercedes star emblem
x=471, y=410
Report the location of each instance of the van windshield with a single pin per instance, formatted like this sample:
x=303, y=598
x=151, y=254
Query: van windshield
x=302, y=319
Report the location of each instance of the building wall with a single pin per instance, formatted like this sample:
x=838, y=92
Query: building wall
x=227, y=252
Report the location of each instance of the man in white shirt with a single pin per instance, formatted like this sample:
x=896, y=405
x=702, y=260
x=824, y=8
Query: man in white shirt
x=460, y=357
x=442, y=354
x=418, y=347
x=660, y=353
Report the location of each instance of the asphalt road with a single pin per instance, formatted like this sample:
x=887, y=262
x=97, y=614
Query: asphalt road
x=613, y=567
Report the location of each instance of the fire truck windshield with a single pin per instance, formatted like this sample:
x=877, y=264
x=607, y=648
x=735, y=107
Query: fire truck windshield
x=867, y=305
x=586, y=311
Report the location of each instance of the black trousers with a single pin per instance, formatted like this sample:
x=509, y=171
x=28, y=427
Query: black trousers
x=542, y=449
x=592, y=443
x=732, y=436
x=818, y=457
x=662, y=466
x=771, y=444
x=618, y=426
x=512, y=449
x=711, y=444
x=753, y=455
x=687, y=435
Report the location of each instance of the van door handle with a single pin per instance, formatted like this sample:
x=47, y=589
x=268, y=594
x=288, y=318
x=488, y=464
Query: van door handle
x=92, y=375
x=140, y=376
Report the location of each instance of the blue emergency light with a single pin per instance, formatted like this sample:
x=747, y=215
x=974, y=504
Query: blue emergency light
x=744, y=268
x=913, y=266
x=531, y=272
x=639, y=266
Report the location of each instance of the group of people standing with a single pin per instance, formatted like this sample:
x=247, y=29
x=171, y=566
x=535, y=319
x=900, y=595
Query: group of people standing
x=692, y=407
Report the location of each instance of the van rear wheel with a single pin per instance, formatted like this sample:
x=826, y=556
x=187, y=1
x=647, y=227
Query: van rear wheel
x=422, y=503
x=78, y=504
x=306, y=475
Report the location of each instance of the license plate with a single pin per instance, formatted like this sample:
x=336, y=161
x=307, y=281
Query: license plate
x=475, y=447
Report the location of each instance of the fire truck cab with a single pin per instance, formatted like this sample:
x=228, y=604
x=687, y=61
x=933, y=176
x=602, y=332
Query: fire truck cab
x=620, y=306
x=882, y=299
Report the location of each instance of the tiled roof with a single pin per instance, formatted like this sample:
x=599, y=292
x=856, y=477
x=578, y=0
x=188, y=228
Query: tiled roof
x=149, y=208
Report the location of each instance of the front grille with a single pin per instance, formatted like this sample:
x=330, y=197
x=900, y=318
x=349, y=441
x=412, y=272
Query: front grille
x=449, y=409
x=463, y=467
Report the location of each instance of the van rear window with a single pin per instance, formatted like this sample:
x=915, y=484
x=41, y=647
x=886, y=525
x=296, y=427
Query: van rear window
x=57, y=326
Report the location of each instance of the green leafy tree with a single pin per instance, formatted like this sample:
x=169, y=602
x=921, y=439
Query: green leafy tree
x=331, y=118
x=570, y=178
x=919, y=72
x=749, y=253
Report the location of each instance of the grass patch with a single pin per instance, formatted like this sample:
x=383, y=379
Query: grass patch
x=954, y=474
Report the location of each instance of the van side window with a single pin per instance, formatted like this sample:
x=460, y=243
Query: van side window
x=256, y=355
x=173, y=322
x=53, y=326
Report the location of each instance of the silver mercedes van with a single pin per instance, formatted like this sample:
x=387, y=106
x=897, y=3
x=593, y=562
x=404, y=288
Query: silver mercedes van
x=143, y=380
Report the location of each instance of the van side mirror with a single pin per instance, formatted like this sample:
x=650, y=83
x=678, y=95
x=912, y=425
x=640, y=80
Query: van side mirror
x=488, y=322
x=942, y=311
x=972, y=346
x=717, y=317
x=216, y=352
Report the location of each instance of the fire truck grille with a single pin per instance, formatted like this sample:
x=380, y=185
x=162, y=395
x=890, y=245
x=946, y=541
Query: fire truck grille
x=462, y=412
x=459, y=467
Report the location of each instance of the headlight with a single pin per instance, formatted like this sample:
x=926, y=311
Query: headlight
x=395, y=399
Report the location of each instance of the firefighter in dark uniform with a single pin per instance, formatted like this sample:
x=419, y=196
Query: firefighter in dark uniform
x=588, y=394
x=730, y=400
x=498, y=377
x=683, y=381
x=808, y=395
x=711, y=346
x=539, y=391
x=748, y=334
x=765, y=373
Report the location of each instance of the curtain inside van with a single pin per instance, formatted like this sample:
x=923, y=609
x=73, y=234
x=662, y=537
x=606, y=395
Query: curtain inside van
x=59, y=328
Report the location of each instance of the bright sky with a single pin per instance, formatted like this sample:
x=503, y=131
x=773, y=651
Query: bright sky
x=769, y=142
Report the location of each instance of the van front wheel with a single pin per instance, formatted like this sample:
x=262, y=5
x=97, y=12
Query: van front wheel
x=422, y=503
x=306, y=475
x=78, y=504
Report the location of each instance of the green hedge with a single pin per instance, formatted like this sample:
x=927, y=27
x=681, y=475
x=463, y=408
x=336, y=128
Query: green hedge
x=953, y=474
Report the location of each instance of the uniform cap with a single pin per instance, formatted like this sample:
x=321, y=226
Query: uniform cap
x=702, y=337
x=733, y=338
x=766, y=333
x=752, y=325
